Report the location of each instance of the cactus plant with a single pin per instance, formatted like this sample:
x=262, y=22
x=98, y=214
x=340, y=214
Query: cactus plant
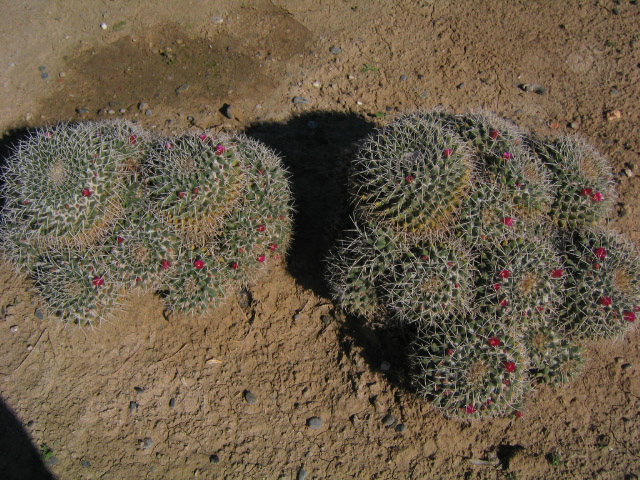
x=584, y=189
x=603, y=291
x=410, y=175
x=554, y=358
x=470, y=370
x=62, y=186
x=430, y=283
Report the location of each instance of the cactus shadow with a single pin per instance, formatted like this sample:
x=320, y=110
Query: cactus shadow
x=8, y=142
x=317, y=148
x=19, y=458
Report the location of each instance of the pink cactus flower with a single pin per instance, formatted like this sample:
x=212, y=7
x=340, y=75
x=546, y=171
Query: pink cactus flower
x=505, y=274
x=605, y=301
x=262, y=258
x=234, y=265
x=503, y=302
x=585, y=192
x=181, y=194
x=509, y=366
x=493, y=134
x=196, y=190
x=199, y=264
x=168, y=146
x=518, y=414
x=557, y=273
x=508, y=221
x=120, y=240
x=601, y=253
x=450, y=351
x=48, y=134
x=471, y=409
x=165, y=264
x=86, y=192
x=507, y=155
x=203, y=137
x=261, y=228
x=261, y=171
x=220, y=149
x=273, y=246
x=98, y=281
x=494, y=342
x=447, y=153
x=409, y=178
x=597, y=266
x=133, y=139
x=496, y=286
x=629, y=316
x=597, y=197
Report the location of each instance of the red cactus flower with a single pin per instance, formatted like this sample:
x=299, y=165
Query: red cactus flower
x=508, y=221
x=86, y=192
x=518, y=414
x=199, y=264
x=98, y=281
x=557, y=273
x=596, y=266
x=120, y=240
x=409, y=178
x=133, y=139
x=181, y=194
x=507, y=155
x=505, y=274
x=601, y=253
x=540, y=308
x=636, y=308
x=494, y=342
x=605, y=301
x=262, y=257
x=261, y=228
x=496, y=286
x=509, y=366
x=447, y=153
x=203, y=137
x=138, y=279
x=450, y=351
x=503, y=302
x=196, y=190
x=493, y=134
x=585, y=192
x=273, y=246
x=261, y=171
x=165, y=264
x=597, y=197
x=220, y=149
x=234, y=265
x=471, y=408
x=629, y=316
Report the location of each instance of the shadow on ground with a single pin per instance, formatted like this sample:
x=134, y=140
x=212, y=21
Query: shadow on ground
x=19, y=458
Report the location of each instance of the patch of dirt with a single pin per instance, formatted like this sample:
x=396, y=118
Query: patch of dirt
x=152, y=395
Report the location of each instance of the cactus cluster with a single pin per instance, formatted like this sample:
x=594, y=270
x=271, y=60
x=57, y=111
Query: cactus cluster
x=490, y=246
x=92, y=210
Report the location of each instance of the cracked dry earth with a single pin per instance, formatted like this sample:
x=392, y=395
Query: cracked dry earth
x=152, y=395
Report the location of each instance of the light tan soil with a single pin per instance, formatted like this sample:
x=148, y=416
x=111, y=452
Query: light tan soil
x=72, y=388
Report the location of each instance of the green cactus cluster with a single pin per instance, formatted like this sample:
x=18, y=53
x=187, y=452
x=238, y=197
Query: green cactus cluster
x=93, y=210
x=500, y=266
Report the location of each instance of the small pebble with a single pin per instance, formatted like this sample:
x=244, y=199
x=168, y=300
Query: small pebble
x=122, y=110
x=388, y=420
x=44, y=75
x=214, y=458
x=142, y=105
x=385, y=366
x=326, y=319
x=403, y=77
x=615, y=11
x=614, y=115
x=250, y=398
x=82, y=110
x=301, y=474
x=314, y=423
x=172, y=402
x=13, y=328
x=103, y=26
x=614, y=91
x=460, y=86
x=316, y=84
x=628, y=172
x=51, y=461
x=401, y=427
x=296, y=317
x=300, y=101
x=217, y=20
x=111, y=112
x=335, y=50
x=146, y=443
x=42, y=68
x=62, y=74
x=38, y=313
x=573, y=125
x=85, y=463
x=182, y=88
x=133, y=406
x=138, y=389
x=147, y=112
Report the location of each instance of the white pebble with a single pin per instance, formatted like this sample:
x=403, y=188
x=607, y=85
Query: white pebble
x=14, y=328
x=103, y=26
x=217, y=20
x=316, y=84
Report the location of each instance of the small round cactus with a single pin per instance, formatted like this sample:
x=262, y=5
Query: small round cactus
x=194, y=181
x=79, y=286
x=431, y=283
x=410, y=175
x=469, y=371
x=603, y=290
x=62, y=185
x=554, y=358
x=584, y=189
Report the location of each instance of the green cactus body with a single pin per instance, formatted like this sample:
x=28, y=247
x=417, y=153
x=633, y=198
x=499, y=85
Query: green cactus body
x=584, y=189
x=519, y=279
x=258, y=230
x=503, y=158
x=196, y=281
x=411, y=176
x=78, y=286
x=471, y=372
x=603, y=290
x=194, y=181
x=431, y=283
x=358, y=266
x=554, y=358
x=63, y=184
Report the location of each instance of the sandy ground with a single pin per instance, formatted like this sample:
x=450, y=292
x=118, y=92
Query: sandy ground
x=153, y=395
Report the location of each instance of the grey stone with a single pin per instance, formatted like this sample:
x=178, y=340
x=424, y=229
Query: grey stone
x=146, y=443
x=401, y=427
x=301, y=474
x=172, y=402
x=44, y=76
x=300, y=100
x=51, y=461
x=214, y=458
x=326, y=319
x=388, y=420
x=82, y=110
x=85, y=463
x=314, y=423
x=182, y=88
x=133, y=406
x=114, y=103
x=296, y=317
x=217, y=20
x=42, y=68
x=142, y=105
x=250, y=398
x=403, y=77
x=13, y=328
x=335, y=50
x=626, y=366
x=460, y=86
x=147, y=112
x=111, y=112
